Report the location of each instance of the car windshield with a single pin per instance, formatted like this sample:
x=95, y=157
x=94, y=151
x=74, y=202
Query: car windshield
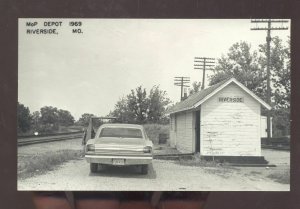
x=121, y=132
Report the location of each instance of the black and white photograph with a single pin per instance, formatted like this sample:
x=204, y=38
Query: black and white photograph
x=153, y=104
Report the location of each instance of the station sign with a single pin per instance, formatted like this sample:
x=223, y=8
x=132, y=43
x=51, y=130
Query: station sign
x=231, y=99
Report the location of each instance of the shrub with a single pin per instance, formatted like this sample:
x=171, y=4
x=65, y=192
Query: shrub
x=196, y=160
x=153, y=131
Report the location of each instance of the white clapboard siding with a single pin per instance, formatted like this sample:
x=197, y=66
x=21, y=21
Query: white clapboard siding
x=184, y=132
x=172, y=131
x=230, y=129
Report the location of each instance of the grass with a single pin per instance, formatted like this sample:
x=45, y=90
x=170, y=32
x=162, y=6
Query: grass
x=153, y=131
x=255, y=173
x=282, y=176
x=38, y=164
x=209, y=166
x=197, y=161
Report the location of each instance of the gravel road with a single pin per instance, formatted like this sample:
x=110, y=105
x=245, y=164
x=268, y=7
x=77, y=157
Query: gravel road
x=163, y=175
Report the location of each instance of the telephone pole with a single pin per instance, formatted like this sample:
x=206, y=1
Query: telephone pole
x=182, y=82
x=269, y=28
x=204, y=62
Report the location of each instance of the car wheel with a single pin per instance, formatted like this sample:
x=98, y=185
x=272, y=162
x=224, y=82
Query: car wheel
x=93, y=167
x=144, y=169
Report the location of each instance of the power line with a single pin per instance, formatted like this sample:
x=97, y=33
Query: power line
x=204, y=62
x=182, y=82
x=269, y=28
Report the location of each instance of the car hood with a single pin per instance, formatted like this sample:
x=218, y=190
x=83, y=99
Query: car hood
x=118, y=141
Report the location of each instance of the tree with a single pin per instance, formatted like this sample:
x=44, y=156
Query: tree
x=280, y=83
x=35, y=120
x=49, y=119
x=280, y=71
x=49, y=115
x=281, y=122
x=24, y=118
x=85, y=119
x=54, y=116
x=137, y=107
x=122, y=111
x=196, y=86
x=158, y=102
x=137, y=102
x=65, y=118
x=241, y=63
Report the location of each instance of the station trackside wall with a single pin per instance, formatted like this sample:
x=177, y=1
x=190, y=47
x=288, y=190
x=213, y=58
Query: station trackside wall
x=230, y=128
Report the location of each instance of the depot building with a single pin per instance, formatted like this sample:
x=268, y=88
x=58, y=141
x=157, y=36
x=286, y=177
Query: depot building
x=222, y=121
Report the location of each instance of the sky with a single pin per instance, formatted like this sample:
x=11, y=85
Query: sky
x=89, y=72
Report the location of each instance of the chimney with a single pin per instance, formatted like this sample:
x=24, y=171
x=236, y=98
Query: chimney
x=185, y=95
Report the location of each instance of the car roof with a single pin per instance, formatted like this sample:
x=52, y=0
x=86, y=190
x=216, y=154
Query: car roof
x=121, y=125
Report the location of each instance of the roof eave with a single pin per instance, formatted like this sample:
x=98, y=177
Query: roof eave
x=185, y=109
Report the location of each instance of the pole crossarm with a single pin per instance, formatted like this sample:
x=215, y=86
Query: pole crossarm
x=182, y=82
x=267, y=20
x=182, y=77
x=207, y=58
x=204, y=63
x=273, y=28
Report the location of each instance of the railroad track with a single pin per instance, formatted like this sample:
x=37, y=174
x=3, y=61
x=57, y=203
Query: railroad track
x=45, y=139
x=176, y=156
x=276, y=147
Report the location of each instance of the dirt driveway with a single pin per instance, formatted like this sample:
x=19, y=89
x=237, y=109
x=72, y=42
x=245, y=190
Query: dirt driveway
x=163, y=175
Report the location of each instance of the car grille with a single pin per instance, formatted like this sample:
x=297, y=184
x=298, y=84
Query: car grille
x=124, y=150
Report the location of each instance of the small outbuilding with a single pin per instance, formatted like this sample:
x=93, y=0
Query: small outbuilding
x=222, y=121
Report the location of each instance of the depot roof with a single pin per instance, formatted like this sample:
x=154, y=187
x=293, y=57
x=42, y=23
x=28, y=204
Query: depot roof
x=198, y=98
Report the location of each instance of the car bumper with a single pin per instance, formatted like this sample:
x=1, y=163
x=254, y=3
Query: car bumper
x=128, y=160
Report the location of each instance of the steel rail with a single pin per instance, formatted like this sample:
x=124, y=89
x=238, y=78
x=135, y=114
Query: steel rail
x=47, y=135
x=46, y=139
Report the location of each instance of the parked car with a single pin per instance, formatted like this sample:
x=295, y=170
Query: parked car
x=119, y=145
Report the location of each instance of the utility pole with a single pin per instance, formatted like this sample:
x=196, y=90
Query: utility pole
x=268, y=39
x=204, y=62
x=182, y=82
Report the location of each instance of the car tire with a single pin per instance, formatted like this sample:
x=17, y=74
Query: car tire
x=93, y=167
x=144, y=169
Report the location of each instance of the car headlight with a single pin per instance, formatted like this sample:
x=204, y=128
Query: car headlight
x=90, y=147
x=147, y=149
